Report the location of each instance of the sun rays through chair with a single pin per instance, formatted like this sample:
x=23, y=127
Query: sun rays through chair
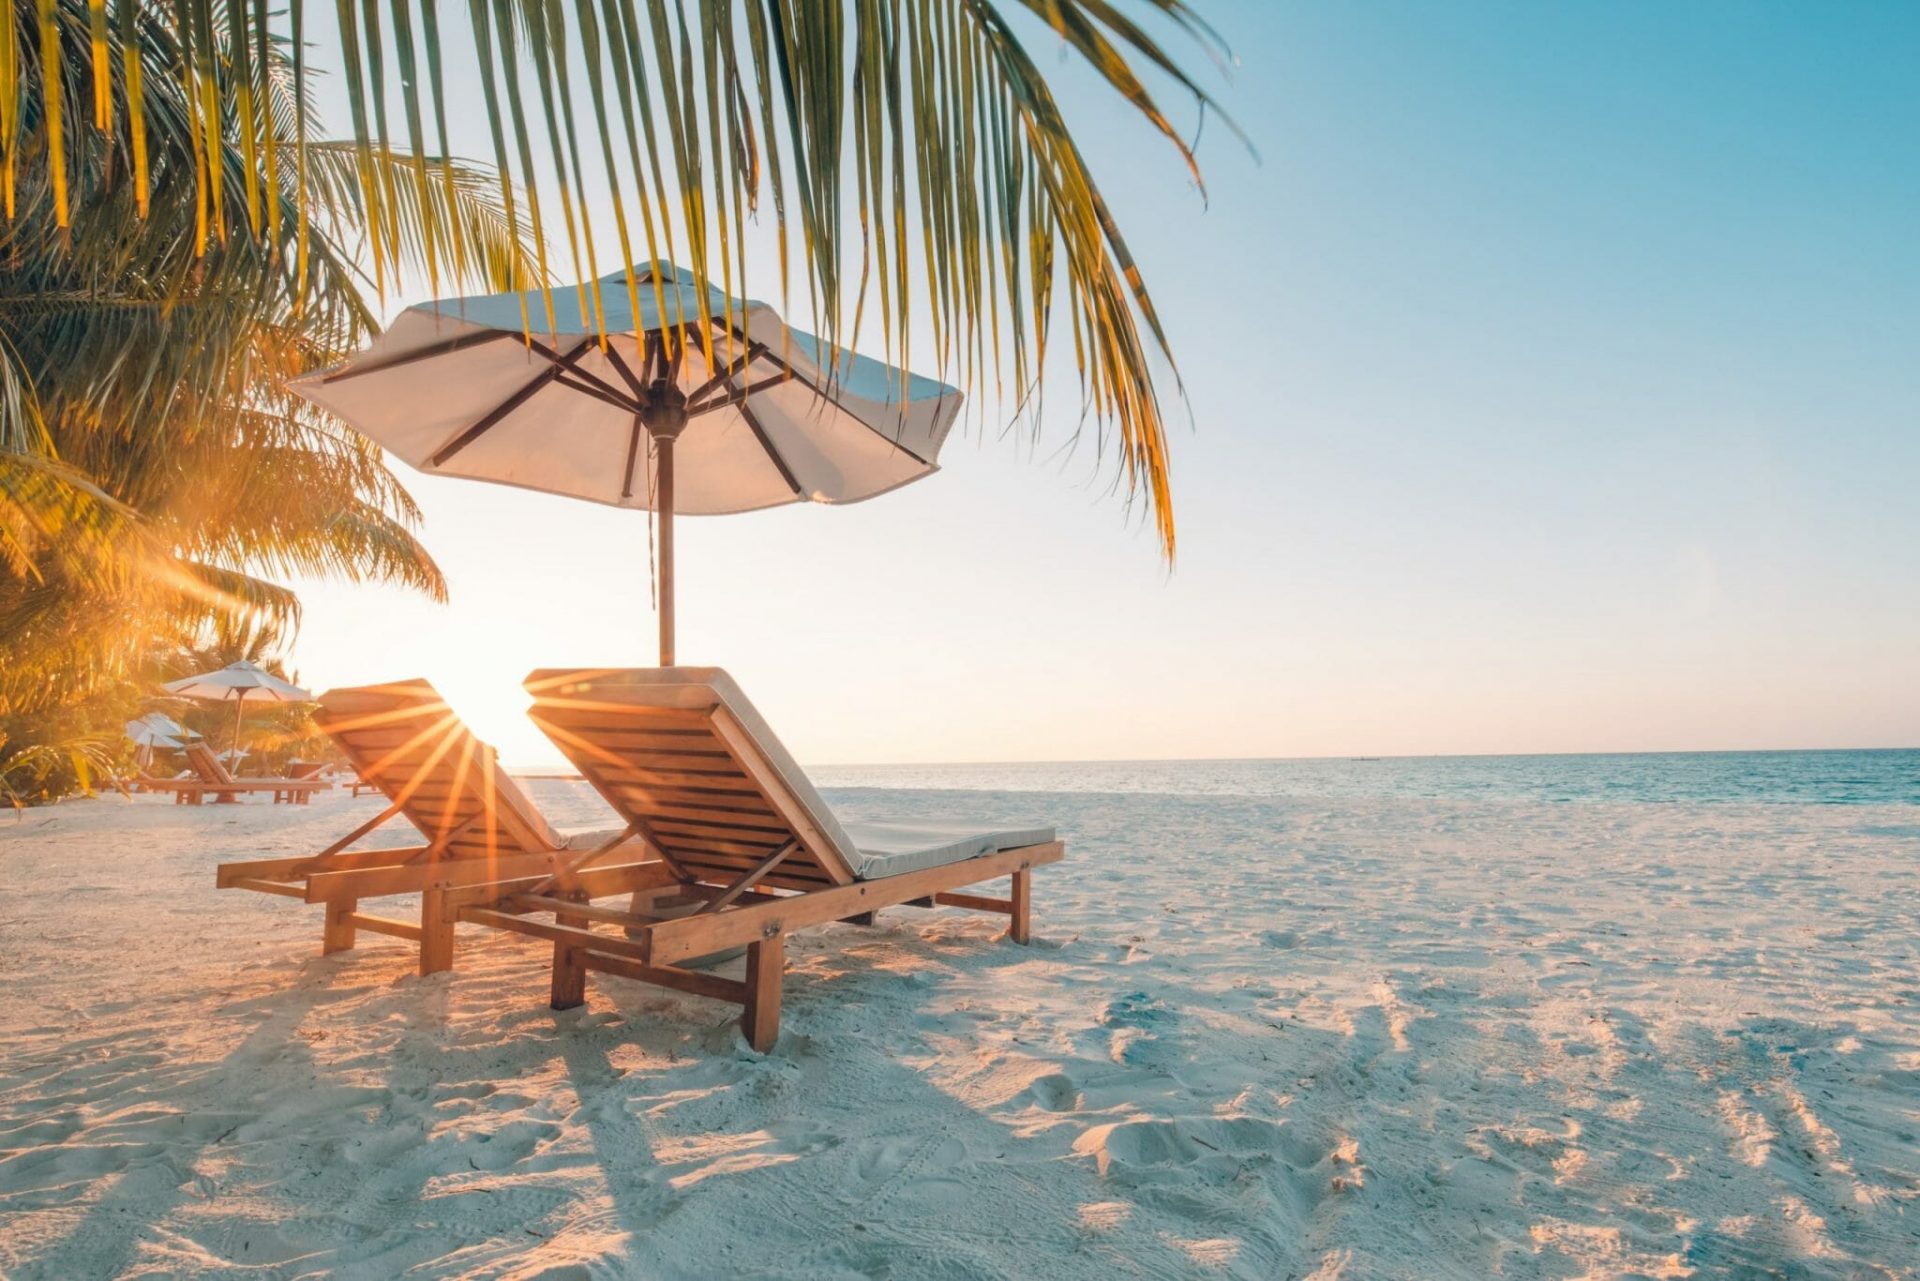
x=474, y=825
x=746, y=851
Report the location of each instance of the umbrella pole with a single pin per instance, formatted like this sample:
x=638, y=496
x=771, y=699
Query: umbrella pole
x=239, y=706
x=665, y=445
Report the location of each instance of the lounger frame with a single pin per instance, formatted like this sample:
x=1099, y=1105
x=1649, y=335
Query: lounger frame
x=212, y=779
x=729, y=836
x=643, y=946
x=403, y=739
x=711, y=826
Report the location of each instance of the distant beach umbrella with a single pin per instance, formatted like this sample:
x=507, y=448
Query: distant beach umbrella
x=238, y=683
x=155, y=729
x=666, y=414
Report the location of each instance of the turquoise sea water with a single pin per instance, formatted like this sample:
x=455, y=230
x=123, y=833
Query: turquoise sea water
x=1889, y=777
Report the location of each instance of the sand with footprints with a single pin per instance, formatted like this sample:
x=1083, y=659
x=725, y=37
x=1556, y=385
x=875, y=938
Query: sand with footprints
x=1254, y=1038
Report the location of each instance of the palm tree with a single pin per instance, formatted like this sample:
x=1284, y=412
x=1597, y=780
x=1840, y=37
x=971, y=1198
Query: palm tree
x=155, y=476
x=913, y=153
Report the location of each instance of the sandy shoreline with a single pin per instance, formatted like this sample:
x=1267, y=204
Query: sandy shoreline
x=1255, y=1038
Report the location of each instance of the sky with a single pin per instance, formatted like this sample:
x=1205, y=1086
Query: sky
x=1552, y=383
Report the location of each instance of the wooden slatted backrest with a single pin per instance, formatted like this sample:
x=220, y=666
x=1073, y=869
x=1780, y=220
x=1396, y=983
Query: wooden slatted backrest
x=406, y=740
x=202, y=761
x=679, y=753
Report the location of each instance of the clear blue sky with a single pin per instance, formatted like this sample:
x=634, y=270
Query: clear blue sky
x=1554, y=384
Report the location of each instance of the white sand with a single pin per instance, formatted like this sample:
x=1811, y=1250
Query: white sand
x=1255, y=1039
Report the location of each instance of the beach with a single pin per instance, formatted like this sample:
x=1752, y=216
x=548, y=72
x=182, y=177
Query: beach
x=1254, y=1036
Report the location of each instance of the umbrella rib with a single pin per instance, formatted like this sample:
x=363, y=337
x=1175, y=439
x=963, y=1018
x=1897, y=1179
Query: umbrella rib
x=633, y=384
x=727, y=375
x=760, y=433
x=738, y=395
x=587, y=389
x=633, y=454
x=493, y=416
x=606, y=389
x=815, y=387
x=424, y=353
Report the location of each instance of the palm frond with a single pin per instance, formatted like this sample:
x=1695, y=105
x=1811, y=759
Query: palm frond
x=156, y=479
x=452, y=223
x=913, y=152
x=29, y=774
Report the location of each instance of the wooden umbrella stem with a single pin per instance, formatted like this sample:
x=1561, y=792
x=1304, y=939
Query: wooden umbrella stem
x=666, y=550
x=663, y=412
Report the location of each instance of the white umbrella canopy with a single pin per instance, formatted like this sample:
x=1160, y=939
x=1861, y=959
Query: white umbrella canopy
x=157, y=729
x=647, y=417
x=238, y=683
x=243, y=681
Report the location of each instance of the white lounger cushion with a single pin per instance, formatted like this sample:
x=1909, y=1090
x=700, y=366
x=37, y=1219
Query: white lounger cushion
x=870, y=850
x=889, y=849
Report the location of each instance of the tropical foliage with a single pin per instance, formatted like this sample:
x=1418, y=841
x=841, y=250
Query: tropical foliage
x=155, y=476
x=913, y=154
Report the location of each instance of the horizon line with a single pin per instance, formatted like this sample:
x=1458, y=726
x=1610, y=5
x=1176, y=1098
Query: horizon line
x=557, y=769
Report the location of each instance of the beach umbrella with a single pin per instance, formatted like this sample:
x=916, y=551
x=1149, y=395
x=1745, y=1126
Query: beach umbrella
x=238, y=683
x=665, y=397
x=155, y=729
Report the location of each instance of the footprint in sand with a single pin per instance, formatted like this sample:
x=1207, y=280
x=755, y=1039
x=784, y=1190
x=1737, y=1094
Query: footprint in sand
x=907, y=1174
x=1134, y=1025
x=1054, y=1092
x=1205, y=1149
x=509, y=1145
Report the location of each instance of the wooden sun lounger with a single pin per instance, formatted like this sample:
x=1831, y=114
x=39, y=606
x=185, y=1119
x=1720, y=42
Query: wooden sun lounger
x=478, y=827
x=210, y=778
x=738, y=832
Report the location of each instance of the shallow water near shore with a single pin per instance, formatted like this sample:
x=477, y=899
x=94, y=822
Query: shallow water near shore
x=1260, y=1035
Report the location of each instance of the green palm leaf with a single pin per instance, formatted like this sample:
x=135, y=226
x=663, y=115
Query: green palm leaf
x=157, y=483
x=916, y=145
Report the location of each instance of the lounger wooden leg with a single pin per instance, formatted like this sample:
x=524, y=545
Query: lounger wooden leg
x=766, y=964
x=338, y=933
x=569, y=975
x=1019, y=921
x=436, y=932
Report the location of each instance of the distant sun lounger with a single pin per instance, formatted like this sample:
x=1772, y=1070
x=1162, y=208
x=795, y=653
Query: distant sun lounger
x=477, y=825
x=206, y=777
x=726, y=843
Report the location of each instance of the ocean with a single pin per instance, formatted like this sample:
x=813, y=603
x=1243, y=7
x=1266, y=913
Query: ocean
x=1878, y=777
x=1884, y=777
